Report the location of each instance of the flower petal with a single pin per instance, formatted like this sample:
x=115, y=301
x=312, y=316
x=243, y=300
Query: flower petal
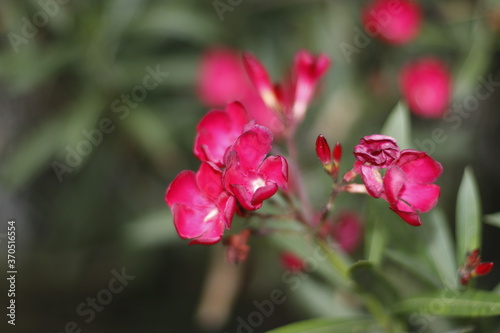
x=209, y=180
x=419, y=167
x=275, y=168
x=373, y=180
x=411, y=218
x=394, y=181
x=252, y=147
x=421, y=197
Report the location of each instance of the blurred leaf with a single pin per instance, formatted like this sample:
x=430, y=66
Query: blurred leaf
x=398, y=125
x=306, y=248
x=372, y=282
x=493, y=219
x=177, y=21
x=150, y=133
x=18, y=70
x=439, y=246
x=327, y=325
x=375, y=231
x=320, y=300
x=414, y=267
x=32, y=154
x=468, y=215
x=151, y=229
x=453, y=303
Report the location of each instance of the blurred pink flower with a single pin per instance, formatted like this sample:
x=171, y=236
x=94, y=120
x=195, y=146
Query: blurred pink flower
x=249, y=175
x=292, y=262
x=200, y=206
x=409, y=187
x=346, y=229
x=222, y=79
x=394, y=21
x=218, y=130
x=426, y=86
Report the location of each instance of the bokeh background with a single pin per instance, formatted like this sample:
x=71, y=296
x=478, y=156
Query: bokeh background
x=106, y=212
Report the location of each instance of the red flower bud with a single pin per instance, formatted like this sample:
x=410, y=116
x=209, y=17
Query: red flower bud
x=483, y=268
x=323, y=150
x=337, y=153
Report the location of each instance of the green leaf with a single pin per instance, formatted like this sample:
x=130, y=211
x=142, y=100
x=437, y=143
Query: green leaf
x=468, y=214
x=376, y=231
x=370, y=281
x=327, y=325
x=493, y=219
x=398, y=125
x=151, y=229
x=415, y=267
x=313, y=254
x=453, y=303
x=439, y=246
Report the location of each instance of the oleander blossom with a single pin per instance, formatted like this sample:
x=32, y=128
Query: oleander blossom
x=409, y=187
x=201, y=208
x=218, y=130
x=408, y=181
x=396, y=22
x=249, y=175
x=426, y=86
x=290, y=98
x=374, y=152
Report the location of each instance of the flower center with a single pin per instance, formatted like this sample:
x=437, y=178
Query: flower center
x=257, y=182
x=211, y=215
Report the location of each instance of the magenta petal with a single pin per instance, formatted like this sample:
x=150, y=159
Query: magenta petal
x=242, y=196
x=373, y=180
x=253, y=146
x=188, y=221
x=275, y=168
x=228, y=206
x=419, y=167
x=421, y=197
x=209, y=180
x=394, y=181
x=411, y=218
x=182, y=189
x=263, y=193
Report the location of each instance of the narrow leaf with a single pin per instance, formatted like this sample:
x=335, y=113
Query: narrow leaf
x=440, y=248
x=493, y=219
x=453, y=303
x=370, y=281
x=327, y=325
x=468, y=214
x=398, y=125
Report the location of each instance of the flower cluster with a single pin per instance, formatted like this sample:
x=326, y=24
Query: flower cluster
x=408, y=181
x=235, y=174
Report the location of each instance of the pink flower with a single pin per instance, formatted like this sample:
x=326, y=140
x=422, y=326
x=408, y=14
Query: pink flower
x=394, y=21
x=426, y=86
x=378, y=150
x=307, y=71
x=218, y=130
x=408, y=185
x=202, y=210
x=291, y=98
x=292, y=262
x=221, y=77
x=374, y=152
x=347, y=230
x=249, y=175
